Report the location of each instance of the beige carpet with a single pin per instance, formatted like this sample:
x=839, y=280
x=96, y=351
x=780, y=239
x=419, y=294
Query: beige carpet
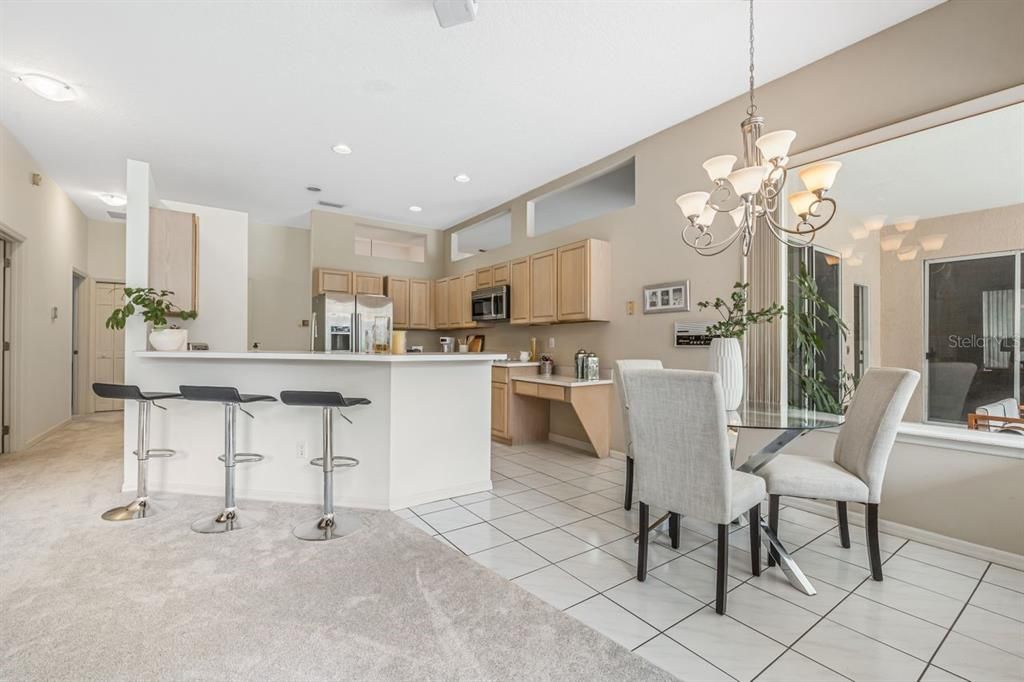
x=85, y=599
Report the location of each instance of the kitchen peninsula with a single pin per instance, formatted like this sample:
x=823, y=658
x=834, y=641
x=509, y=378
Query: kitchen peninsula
x=425, y=436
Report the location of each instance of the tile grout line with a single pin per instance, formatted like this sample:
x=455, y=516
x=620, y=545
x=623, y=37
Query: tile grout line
x=953, y=624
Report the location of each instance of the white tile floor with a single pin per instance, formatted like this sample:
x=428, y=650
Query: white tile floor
x=554, y=524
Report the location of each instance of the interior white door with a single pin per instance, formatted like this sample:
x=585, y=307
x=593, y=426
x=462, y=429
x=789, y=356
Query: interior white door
x=108, y=344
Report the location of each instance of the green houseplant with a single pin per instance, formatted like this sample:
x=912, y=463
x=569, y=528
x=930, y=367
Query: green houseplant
x=726, y=357
x=808, y=315
x=155, y=306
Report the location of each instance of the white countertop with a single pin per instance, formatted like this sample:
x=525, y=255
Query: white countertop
x=560, y=380
x=322, y=357
x=515, y=363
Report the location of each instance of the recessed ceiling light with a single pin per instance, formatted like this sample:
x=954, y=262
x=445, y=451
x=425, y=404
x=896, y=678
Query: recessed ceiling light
x=46, y=87
x=462, y=177
x=112, y=199
x=415, y=209
x=341, y=149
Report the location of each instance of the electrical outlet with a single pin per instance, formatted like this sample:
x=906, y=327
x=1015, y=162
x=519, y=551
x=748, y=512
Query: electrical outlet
x=300, y=451
x=551, y=343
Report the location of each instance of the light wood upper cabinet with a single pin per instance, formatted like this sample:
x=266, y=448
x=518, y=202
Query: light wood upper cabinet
x=519, y=291
x=419, y=303
x=483, y=277
x=543, y=287
x=469, y=285
x=441, y=303
x=500, y=274
x=327, y=281
x=174, y=255
x=369, y=283
x=454, y=302
x=584, y=291
x=398, y=291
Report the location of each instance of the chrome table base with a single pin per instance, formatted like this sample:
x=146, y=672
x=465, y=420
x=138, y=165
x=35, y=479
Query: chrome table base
x=329, y=527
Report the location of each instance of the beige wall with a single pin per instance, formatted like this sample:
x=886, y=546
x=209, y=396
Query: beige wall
x=55, y=235
x=988, y=231
x=106, y=250
x=333, y=244
x=902, y=72
x=279, y=287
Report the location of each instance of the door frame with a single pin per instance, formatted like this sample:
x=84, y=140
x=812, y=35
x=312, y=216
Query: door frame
x=81, y=302
x=11, y=330
x=1018, y=279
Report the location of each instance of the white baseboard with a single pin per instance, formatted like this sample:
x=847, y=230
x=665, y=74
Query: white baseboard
x=37, y=438
x=400, y=502
x=997, y=556
x=581, y=445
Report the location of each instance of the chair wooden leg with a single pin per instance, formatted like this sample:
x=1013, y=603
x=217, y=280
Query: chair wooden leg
x=673, y=529
x=722, y=578
x=641, y=545
x=844, y=525
x=755, y=539
x=874, y=550
x=773, y=523
x=627, y=504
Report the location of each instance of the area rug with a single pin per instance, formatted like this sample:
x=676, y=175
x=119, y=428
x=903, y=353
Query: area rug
x=85, y=599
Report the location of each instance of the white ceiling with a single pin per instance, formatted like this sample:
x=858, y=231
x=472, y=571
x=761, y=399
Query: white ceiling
x=237, y=104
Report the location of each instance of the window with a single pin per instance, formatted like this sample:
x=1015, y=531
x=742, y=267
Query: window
x=382, y=242
x=821, y=357
x=973, y=327
x=610, y=191
x=481, y=237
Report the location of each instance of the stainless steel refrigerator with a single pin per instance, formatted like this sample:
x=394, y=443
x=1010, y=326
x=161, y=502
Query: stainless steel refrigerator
x=343, y=323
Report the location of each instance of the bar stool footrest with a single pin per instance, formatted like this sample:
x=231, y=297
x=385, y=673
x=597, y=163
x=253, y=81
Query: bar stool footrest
x=244, y=457
x=160, y=452
x=339, y=461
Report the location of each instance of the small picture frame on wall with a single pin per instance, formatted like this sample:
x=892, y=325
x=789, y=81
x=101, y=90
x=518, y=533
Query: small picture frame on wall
x=668, y=297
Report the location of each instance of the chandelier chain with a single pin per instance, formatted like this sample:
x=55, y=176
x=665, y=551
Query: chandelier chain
x=752, y=109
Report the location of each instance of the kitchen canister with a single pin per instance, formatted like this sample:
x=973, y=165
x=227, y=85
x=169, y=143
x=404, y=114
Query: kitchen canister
x=593, y=367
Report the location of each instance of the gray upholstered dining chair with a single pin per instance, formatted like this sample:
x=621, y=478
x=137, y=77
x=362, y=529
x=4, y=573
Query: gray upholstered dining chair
x=856, y=469
x=620, y=367
x=679, y=433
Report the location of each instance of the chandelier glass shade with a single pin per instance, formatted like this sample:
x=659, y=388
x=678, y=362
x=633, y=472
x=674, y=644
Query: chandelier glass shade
x=751, y=193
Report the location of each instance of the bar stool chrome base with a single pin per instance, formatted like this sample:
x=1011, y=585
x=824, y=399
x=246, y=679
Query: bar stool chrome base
x=139, y=508
x=226, y=521
x=328, y=527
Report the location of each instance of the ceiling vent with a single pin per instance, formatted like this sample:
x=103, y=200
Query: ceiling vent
x=331, y=204
x=117, y=215
x=454, y=12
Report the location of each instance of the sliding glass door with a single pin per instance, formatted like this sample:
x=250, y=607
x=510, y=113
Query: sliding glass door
x=972, y=333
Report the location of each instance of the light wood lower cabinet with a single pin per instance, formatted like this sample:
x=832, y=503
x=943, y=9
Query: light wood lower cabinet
x=516, y=419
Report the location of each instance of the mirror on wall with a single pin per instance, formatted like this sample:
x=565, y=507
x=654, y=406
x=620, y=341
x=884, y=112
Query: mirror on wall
x=923, y=268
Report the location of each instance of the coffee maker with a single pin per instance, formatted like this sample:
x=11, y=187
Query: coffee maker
x=447, y=344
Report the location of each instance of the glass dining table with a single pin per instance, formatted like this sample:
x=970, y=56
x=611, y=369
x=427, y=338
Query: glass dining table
x=789, y=423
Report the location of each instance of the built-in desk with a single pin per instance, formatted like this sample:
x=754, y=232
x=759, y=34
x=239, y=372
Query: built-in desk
x=519, y=413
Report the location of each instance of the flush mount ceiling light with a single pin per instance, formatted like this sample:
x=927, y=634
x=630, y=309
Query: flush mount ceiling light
x=415, y=209
x=462, y=177
x=47, y=87
x=112, y=199
x=341, y=149
x=756, y=188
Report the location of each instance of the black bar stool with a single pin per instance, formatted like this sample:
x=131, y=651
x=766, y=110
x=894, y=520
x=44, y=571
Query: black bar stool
x=141, y=507
x=227, y=520
x=329, y=526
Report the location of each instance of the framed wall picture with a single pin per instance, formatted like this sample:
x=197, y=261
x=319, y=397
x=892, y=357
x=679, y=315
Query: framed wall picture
x=668, y=297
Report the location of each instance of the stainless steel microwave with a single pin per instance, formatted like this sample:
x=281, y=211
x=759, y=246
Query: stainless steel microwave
x=491, y=303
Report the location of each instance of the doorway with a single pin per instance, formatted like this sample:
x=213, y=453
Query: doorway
x=108, y=344
x=77, y=281
x=5, y=339
x=861, y=340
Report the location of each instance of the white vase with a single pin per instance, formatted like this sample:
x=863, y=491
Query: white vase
x=727, y=360
x=169, y=339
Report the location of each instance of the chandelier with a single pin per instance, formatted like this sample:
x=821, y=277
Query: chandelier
x=752, y=192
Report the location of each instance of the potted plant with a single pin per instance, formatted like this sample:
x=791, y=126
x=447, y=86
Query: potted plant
x=155, y=307
x=726, y=356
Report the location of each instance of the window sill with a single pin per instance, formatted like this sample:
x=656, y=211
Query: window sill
x=952, y=438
